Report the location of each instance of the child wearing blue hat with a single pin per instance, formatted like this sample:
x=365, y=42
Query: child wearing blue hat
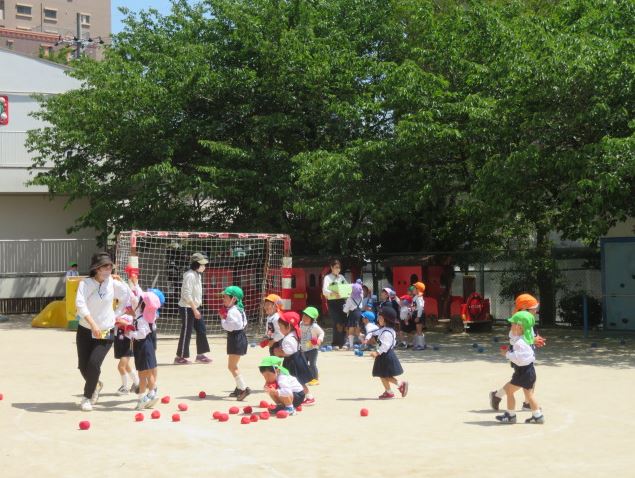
x=369, y=322
x=522, y=358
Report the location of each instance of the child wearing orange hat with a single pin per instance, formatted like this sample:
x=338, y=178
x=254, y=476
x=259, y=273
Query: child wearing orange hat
x=418, y=316
x=273, y=308
x=524, y=302
x=522, y=357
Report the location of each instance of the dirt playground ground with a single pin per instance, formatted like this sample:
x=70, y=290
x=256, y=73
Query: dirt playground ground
x=444, y=428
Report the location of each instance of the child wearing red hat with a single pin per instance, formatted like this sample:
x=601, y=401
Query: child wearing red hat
x=289, y=349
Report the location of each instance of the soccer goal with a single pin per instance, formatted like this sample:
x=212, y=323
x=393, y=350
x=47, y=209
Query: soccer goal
x=255, y=262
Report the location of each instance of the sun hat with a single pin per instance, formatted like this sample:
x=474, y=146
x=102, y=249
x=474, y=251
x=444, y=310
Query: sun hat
x=276, y=300
x=200, y=258
x=237, y=293
x=152, y=304
x=525, y=302
x=275, y=362
x=367, y=314
x=311, y=312
x=100, y=259
x=527, y=321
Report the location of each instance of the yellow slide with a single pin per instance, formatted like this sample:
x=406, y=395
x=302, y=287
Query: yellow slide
x=59, y=313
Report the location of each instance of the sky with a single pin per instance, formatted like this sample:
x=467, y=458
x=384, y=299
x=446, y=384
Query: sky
x=163, y=6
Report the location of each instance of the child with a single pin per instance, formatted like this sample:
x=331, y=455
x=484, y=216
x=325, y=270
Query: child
x=353, y=309
x=387, y=365
x=235, y=322
x=289, y=349
x=123, y=352
x=143, y=347
x=418, y=316
x=368, y=319
x=406, y=324
x=312, y=338
x=522, y=358
x=387, y=298
x=368, y=301
x=273, y=309
x=530, y=304
x=283, y=388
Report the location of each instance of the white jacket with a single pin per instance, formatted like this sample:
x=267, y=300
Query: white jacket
x=97, y=299
x=191, y=289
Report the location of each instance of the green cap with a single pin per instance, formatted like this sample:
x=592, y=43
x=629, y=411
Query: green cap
x=275, y=362
x=236, y=292
x=527, y=321
x=311, y=312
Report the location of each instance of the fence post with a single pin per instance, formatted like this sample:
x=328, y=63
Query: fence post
x=585, y=315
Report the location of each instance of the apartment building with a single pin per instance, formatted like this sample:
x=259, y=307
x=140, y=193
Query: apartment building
x=42, y=27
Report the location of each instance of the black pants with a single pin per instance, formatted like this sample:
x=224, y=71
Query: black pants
x=338, y=319
x=188, y=321
x=311, y=358
x=91, y=353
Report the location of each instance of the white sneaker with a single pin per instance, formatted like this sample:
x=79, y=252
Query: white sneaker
x=123, y=391
x=152, y=400
x=86, y=406
x=142, y=403
x=95, y=397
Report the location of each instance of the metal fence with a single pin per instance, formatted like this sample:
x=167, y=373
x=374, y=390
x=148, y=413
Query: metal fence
x=41, y=257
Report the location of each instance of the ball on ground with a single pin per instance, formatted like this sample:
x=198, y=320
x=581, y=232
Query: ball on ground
x=216, y=415
x=156, y=414
x=474, y=345
x=264, y=415
x=176, y=417
x=282, y=414
x=245, y=421
x=253, y=344
x=363, y=412
x=139, y=417
x=165, y=399
x=298, y=408
x=594, y=344
x=247, y=409
x=234, y=410
x=329, y=348
x=202, y=394
x=435, y=347
x=254, y=418
x=2, y=396
x=480, y=350
x=182, y=407
x=263, y=404
x=84, y=425
x=223, y=417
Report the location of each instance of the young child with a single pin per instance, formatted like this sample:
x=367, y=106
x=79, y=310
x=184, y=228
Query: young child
x=418, y=316
x=312, y=338
x=368, y=320
x=406, y=324
x=145, y=358
x=273, y=308
x=387, y=365
x=530, y=304
x=388, y=298
x=289, y=349
x=123, y=351
x=282, y=387
x=235, y=322
x=522, y=358
x=368, y=300
x=353, y=309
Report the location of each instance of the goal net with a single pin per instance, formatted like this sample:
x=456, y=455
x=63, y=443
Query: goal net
x=252, y=261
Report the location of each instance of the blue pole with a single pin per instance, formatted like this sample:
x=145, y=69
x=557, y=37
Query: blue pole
x=585, y=315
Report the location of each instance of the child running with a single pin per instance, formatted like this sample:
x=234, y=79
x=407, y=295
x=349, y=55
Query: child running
x=289, y=349
x=312, y=338
x=143, y=347
x=524, y=377
x=235, y=322
x=387, y=365
x=282, y=387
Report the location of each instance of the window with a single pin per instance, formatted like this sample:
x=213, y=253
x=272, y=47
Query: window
x=84, y=19
x=50, y=14
x=23, y=10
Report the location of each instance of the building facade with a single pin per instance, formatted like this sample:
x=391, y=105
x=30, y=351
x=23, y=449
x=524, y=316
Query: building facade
x=35, y=247
x=40, y=28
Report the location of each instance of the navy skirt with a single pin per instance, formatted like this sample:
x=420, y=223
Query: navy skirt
x=524, y=377
x=144, y=356
x=237, y=342
x=298, y=367
x=354, y=318
x=387, y=365
x=122, y=345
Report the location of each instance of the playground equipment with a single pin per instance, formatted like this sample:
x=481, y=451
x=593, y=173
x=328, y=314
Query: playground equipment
x=60, y=313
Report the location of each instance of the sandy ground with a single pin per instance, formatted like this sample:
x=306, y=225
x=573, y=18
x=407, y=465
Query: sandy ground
x=444, y=428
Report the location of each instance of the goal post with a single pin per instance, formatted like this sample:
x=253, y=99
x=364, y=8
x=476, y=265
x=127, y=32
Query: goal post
x=258, y=263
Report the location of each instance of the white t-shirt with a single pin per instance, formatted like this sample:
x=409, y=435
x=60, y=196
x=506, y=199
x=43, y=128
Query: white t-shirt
x=96, y=299
x=235, y=320
x=290, y=343
x=287, y=384
x=330, y=279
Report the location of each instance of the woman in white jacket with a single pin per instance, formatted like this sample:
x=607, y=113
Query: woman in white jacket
x=95, y=334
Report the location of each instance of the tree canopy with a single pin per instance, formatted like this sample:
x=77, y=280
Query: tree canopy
x=358, y=126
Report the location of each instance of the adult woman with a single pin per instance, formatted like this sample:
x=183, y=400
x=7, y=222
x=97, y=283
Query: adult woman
x=94, y=301
x=191, y=300
x=335, y=302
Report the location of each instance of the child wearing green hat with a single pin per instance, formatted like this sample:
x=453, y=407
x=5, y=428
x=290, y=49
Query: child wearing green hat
x=283, y=388
x=312, y=338
x=522, y=357
x=235, y=323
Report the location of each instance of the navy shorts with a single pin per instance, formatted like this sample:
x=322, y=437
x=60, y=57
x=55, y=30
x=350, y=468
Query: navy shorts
x=144, y=356
x=524, y=377
x=122, y=345
x=237, y=342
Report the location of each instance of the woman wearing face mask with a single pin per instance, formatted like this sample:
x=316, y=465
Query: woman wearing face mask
x=191, y=300
x=335, y=302
x=94, y=302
